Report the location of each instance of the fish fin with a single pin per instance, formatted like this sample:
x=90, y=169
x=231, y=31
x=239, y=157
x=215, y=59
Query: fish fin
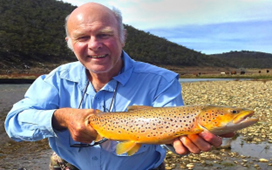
x=124, y=147
x=136, y=107
x=98, y=138
x=133, y=150
x=97, y=111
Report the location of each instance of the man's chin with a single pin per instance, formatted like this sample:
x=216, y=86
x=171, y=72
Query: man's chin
x=99, y=70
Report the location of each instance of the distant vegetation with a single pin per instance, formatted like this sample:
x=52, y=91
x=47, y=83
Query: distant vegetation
x=246, y=59
x=32, y=36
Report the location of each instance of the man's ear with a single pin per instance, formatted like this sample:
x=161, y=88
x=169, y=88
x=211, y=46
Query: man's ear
x=69, y=43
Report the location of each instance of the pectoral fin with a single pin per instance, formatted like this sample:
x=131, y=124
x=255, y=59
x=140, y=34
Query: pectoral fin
x=133, y=150
x=129, y=147
x=98, y=138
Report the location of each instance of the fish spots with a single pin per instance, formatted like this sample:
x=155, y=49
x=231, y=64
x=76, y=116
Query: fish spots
x=148, y=123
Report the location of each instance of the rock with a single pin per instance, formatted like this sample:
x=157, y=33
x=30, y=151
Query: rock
x=263, y=160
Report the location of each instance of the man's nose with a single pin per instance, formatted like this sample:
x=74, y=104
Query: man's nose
x=94, y=44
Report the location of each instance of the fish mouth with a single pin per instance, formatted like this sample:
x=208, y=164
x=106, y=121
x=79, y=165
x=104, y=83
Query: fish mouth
x=245, y=117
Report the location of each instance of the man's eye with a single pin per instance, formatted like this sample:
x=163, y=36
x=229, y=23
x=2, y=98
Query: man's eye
x=104, y=35
x=83, y=38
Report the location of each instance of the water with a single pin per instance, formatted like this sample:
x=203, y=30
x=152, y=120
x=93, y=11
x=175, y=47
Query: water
x=261, y=150
x=11, y=93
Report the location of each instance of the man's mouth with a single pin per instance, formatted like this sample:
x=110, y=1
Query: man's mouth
x=99, y=56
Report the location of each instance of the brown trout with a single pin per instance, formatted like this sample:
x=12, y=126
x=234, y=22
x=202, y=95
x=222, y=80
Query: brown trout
x=160, y=125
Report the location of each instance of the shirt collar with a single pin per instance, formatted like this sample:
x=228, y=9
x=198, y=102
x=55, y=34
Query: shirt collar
x=75, y=72
x=126, y=71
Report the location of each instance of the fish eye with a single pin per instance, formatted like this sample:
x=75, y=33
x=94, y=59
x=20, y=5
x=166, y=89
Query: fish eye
x=234, y=111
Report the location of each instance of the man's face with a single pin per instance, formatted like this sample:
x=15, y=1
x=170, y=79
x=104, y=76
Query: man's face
x=95, y=40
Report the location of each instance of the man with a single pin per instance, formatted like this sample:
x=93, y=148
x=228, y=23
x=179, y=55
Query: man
x=105, y=78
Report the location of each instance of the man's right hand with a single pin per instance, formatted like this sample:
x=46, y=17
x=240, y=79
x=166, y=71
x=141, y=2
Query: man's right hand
x=75, y=121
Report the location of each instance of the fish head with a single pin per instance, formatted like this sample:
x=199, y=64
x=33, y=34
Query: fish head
x=222, y=120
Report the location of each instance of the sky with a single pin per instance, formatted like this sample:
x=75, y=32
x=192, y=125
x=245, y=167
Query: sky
x=206, y=26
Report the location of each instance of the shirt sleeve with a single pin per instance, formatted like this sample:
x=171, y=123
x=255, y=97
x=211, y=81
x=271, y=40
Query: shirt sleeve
x=168, y=94
x=30, y=119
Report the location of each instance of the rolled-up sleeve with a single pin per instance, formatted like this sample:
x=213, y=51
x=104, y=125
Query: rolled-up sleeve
x=30, y=119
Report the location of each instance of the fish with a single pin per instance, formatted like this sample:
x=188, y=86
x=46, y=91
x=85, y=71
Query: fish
x=161, y=125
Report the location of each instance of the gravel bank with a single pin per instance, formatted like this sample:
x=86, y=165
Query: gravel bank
x=252, y=141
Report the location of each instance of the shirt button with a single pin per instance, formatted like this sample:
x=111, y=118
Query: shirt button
x=94, y=158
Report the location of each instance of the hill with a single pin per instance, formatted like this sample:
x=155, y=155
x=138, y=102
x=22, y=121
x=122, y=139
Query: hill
x=246, y=59
x=32, y=40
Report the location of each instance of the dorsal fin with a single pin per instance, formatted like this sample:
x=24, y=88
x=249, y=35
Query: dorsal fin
x=137, y=107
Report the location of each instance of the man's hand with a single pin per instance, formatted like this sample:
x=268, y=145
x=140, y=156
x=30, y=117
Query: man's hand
x=196, y=143
x=75, y=121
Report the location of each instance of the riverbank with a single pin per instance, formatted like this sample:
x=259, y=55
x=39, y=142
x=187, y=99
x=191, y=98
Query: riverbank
x=247, y=94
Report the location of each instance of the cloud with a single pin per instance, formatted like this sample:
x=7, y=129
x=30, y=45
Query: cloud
x=153, y=13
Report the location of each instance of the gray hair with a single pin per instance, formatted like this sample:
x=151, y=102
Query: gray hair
x=118, y=15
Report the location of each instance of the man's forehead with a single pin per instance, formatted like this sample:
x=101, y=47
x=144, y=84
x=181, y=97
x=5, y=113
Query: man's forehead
x=90, y=19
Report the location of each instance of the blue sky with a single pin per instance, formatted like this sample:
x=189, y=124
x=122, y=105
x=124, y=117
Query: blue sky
x=207, y=26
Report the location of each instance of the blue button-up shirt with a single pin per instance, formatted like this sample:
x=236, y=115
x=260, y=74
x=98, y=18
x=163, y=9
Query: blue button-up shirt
x=139, y=84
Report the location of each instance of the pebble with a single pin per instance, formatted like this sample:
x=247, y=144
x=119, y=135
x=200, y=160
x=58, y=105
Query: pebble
x=190, y=166
x=263, y=160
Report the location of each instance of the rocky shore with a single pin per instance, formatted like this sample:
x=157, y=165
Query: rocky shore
x=235, y=155
x=254, y=147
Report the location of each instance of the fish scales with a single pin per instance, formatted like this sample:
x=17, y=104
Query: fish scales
x=155, y=125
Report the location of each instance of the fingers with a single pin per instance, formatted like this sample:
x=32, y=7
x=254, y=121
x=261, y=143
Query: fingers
x=179, y=147
x=79, y=127
x=195, y=143
x=211, y=138
x=200, y=143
